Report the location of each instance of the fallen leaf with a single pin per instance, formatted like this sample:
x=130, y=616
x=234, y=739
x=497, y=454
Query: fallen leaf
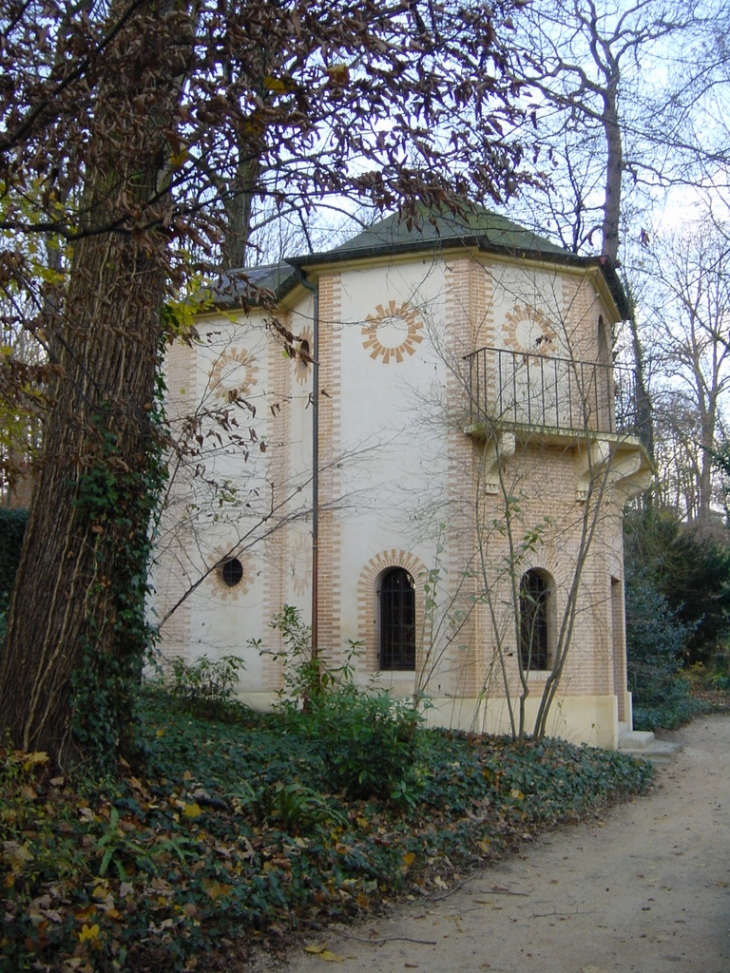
x=89, y=932
x=16, y=855
x=216, y=889
x=34, y=759
x=53, y=914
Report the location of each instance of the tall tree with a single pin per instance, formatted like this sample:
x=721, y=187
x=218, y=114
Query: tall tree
x=604, y=73
x=116, y=123
x=691, y=358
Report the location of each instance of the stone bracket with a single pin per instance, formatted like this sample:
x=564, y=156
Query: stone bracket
x=627, y=468
x=497, y=450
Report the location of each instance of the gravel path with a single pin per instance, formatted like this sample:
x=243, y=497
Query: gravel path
x=645, y=888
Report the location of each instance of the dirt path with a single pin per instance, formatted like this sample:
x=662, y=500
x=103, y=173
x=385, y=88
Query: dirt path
x=645, y=888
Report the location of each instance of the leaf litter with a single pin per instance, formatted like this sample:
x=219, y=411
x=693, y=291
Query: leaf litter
x=225, y=839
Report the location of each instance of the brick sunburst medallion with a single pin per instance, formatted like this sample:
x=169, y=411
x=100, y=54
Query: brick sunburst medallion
x=392, y=332
x=234, y=374
x=526, y=329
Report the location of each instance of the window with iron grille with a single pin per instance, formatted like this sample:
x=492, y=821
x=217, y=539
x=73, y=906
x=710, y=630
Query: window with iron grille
x=534, y=621
x=397, y=620
x=232, y=571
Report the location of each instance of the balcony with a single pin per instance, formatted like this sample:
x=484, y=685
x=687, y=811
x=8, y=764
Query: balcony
x=555, y=398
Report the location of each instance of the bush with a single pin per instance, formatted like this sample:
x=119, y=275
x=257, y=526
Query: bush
x=205, y=687
x=691, y=572
x=656, y=642
x=366, y=739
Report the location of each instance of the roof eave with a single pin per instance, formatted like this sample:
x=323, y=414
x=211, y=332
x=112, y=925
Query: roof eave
x=481, y=243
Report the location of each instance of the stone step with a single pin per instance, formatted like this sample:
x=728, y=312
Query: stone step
x=635, y=740
x=643, y=744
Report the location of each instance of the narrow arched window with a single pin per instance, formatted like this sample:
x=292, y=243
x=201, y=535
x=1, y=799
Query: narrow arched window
x=397, y=620
x=604, y=345
x=534, y=621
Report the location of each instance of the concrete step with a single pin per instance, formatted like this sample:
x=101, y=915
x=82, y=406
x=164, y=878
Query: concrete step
x=635, y=740
x=643, y=744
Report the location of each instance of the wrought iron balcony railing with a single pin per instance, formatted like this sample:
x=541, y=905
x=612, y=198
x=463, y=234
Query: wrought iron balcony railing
x=551, y=393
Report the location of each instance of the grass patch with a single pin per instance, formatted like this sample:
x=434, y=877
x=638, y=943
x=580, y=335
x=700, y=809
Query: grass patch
x=234, y=835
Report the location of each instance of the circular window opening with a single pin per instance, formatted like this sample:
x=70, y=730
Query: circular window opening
x=232, y=571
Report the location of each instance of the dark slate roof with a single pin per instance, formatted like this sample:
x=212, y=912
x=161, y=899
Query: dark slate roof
x=236, y=287
x=477, y=228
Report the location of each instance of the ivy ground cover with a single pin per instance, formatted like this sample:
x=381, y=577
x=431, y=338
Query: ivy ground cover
x=232, y=836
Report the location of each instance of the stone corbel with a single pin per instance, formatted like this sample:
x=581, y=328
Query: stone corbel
x=497, y=451
x=631, y=474
x=590, y=461
x=629, y=471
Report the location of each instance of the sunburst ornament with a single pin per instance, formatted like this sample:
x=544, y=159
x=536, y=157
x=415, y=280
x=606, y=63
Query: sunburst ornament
x=231, y=576
x=393, y=332
x=527, y=329
x=234, y=374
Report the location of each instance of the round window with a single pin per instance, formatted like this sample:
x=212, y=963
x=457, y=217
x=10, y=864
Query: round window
x=232, y=571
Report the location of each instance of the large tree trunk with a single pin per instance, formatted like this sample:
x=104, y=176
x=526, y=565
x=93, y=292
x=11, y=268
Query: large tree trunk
x=76, y=631
x=611, y=239
x=239, y=205
x=614, y=172
x=644, y=411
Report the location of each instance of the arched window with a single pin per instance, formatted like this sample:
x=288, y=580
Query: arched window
x=604, y=344
x=604, y=379
x=397, y=620
x=534, y=621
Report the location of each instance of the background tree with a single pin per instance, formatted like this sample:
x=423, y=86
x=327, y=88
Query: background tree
x=688, y=324
x=616, y=96
x=690, y=572
x=117, y=121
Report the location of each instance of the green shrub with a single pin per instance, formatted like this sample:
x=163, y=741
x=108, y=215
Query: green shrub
x=690, y=571
x=205, y=687
x=656, y=641
x=366, y=739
